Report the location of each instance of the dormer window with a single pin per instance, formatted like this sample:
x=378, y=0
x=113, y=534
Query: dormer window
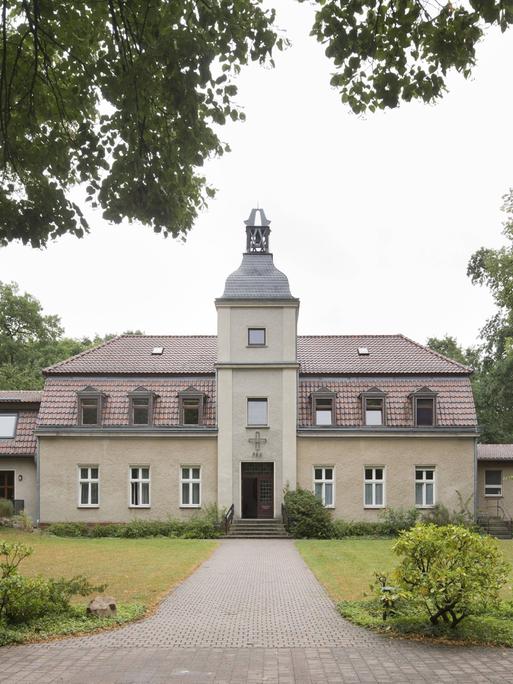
x=256, y=337
x=424, y=407
x=373, y=407
x=323, y=407
x=141, y=406
x=90, y=401
x=8, y=425
x=191, y=403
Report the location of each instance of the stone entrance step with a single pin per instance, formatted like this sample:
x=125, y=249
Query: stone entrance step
x=271, y=528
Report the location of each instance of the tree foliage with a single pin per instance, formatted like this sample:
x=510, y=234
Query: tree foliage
x=122, y=95
x=449, y=571
x=386, y=51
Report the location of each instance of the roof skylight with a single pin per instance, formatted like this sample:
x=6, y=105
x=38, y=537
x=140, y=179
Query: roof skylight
x=157, y=351
x=363, y=351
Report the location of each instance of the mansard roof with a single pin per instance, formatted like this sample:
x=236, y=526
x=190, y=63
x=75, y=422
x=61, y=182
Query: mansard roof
x=317, y=355
x=257, y=278
x=495, y=452
x=20, y=397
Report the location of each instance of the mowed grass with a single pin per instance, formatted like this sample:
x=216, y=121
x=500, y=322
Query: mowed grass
x=346, y=567
x=138, y=571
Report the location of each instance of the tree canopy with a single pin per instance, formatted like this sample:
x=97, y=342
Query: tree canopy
x=125, y=96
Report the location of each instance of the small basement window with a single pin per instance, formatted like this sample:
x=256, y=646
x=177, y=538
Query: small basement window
x=8, y=425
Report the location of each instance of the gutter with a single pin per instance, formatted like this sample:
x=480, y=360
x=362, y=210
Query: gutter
x=123, y=431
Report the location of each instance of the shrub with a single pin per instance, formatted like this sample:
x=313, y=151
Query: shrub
x=6, y=508
x=394, y=520
x=109, y=530
x=449, y=571
x=68, y=529
x=200, y=528
x=441, y=515
x=351, y=528
x=23, y=521
x=307, y=516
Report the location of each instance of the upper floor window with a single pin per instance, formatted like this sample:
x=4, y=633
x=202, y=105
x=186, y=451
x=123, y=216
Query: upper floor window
x=424, y=407
x=90, y=402
x=373, y=407
x=493, y=482
x=8, y=425
x=256, y=337
x=323, y=406
x=257, y=412
x=141, y=406
x=191, y=403
x=324, y=485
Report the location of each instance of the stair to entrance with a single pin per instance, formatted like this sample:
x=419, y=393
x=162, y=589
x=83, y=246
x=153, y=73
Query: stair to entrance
x=496, y=527
x=271, y=528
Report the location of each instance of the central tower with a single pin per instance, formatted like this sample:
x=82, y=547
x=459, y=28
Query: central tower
x=257, y=380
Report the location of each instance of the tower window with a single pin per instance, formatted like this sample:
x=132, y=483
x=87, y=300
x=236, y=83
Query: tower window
x=257, y=412
x=256, y=337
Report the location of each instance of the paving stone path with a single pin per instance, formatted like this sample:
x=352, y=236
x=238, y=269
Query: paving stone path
x=252, y=613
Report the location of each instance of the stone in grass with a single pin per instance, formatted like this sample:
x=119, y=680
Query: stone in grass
x=102, y=606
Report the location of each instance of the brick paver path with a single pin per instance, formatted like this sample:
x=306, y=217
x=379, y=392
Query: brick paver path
x=252, y=613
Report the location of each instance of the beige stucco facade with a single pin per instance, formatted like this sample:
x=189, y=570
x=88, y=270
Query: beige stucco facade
x=60, y=458
x=500, y=506
x=452, y=458
x=24, y=480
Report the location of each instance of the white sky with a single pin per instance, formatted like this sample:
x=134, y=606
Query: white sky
x=374, y=218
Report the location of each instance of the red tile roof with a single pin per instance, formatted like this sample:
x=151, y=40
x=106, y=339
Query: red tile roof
x=60, y=406
x=455, y=403
x=317, y=354
x=495, y=452
x=24, y=442
x=20, y=396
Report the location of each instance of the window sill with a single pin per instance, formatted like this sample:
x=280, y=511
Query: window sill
x=494, y=496
x=190, y=506
x=373, y=507
x=141, y=506
x=330, y=507
x=257, y=346
x=256, y=427
x=88, y=506
x=425, y=507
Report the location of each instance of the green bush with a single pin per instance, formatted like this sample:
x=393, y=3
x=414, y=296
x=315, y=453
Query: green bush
x=449, y=572
x=6, y=508
x=441, y=515
x=68, y=529
x=109, y=530
x=307, y=516
x=200, y=528
x=394, y=520
x=352, y=528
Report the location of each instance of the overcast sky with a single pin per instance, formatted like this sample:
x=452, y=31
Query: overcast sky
x=374, y=218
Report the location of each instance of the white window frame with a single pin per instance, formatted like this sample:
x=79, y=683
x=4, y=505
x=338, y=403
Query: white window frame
x=190, y=481
x=10, y=414
x=424, y=481
x=323, y=481
x=493, y=496
x=374, y=481
x=89, y=481
x=256, y=425
x=140, y=480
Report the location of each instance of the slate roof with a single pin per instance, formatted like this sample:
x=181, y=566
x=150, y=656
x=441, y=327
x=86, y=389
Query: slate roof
x=257, y=278
x=60, y=405
x=20, y=396
x=495, y=452
x=454, y=401
x=24, y=442
x=317, y=354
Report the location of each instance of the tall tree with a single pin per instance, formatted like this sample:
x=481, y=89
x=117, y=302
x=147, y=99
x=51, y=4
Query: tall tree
x=449, y=347
x=122, y=95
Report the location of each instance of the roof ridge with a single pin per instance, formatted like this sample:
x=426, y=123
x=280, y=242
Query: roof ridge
x=440, y=356
x=356, y=335
x=173, y=336
x=80, y=354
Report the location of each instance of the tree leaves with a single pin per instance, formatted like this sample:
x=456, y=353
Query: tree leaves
x=123, y=96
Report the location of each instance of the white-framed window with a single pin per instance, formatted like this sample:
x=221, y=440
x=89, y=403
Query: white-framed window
x=493, y=482
x=374, y=487
x=424, y=487
x=88, y=486
x=8, y=425
x=190, y=486
x=139, y=487
x=324, y=485
x=257, y=412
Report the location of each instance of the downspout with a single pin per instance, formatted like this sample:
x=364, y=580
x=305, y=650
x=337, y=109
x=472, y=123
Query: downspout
x=38, y=489
x=475, y=480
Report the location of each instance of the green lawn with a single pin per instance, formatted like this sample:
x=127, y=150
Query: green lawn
x=135, y=570
x=345, y=567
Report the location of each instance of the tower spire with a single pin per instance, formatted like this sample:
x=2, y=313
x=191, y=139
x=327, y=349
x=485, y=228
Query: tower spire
x=257, y=232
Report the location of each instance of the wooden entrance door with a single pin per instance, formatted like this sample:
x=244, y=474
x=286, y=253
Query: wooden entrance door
x=257, y=490
x=7, y=484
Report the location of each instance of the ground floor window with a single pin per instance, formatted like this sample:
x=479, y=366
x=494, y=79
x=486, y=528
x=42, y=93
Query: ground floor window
x=374, y=487
x=324, y=485
x=7, y=484
x=88, y=486
x=493, y=482
x=190, y=479
x=139, y=486
x=424, y=487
